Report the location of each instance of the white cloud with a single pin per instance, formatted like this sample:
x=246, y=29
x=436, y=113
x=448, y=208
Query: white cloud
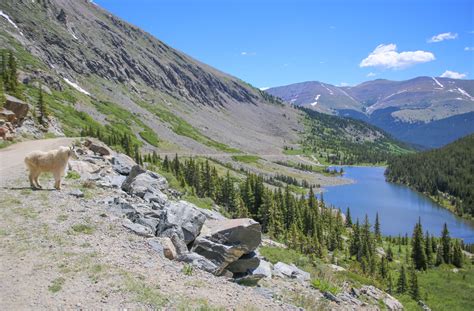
x=386, y=56
x=443, y=36
x=453, y=75
x=244, y=53
x=344, y=84
x=469, y=48
x=264, y=88
x=371, y=74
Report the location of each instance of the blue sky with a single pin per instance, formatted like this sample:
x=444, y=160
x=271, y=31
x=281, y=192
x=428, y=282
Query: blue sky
x=271, y=43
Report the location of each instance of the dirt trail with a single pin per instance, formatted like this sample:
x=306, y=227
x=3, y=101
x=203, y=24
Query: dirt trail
x=11, y=158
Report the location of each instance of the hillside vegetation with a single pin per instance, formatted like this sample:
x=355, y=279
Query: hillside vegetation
x=445, y=174
x=337, y=140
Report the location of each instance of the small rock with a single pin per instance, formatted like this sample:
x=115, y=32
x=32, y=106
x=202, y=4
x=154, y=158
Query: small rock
x=77, y=193
x=264, y=268
x=138, y=229
x=291, y=271
x=98, y=147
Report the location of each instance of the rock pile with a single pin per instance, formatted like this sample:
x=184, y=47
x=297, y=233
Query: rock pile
x=177, y=230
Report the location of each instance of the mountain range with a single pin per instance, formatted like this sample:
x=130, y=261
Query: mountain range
x=425, y=111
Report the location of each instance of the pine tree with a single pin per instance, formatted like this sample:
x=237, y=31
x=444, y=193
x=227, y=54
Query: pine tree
x=12, y=82
x=2, y=93
x=378, y=235
x=414, y=287
x=418, y=248
x=348, y=218
x=42, y=108
x=402, y=281
x=390, y=253
x=446, y=244
x=439, y=256
x=390, y=283
x=457, y=254
x=428, y=249
x=4, y=68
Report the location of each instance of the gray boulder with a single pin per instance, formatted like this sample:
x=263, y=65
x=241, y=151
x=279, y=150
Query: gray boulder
x=264, y=268
x=17, y=106
x=284, y=270
x=184, y=217
x=225, y=241
x=146, y=185
x=138, y=229
x=122, y=163
x=199, y=262
x=244, y=264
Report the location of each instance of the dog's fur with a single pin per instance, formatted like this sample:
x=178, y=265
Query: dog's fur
x=54, y=161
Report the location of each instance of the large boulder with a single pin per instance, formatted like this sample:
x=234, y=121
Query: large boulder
x=146, y=185
x=98, y=147
x=181, y=217
x=122, y=163
x=17, y=106
x=225, y=241
x=85, y=169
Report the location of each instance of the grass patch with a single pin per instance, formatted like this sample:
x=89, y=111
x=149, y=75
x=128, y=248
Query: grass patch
x=56, y=285
x=205, y=203
x=246, y=158
x=188, y=270
x=324, y=286
x=83, y=228
x=144, y=293
x=73, y=175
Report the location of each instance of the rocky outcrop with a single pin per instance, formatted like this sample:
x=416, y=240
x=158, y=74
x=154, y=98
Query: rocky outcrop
x=146, y=185
x=245, y=264
x=98, y=147
x=17, y=106
x=225, y=241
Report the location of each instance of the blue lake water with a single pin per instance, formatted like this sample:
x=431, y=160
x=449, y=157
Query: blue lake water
x=398, y=206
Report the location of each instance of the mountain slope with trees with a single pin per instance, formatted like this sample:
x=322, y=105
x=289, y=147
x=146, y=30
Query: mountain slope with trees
x=445, y=174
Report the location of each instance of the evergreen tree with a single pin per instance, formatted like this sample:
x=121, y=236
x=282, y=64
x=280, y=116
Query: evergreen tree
x=378, y=235
x=42, y=108
x=418, y=248
x=348, y=218
x=457, y=254
x=402, y=281
x=390, y=283
x=446, y=244
x=390, y=253
x=12, y=82
x=414, y=287
x=428, y=249
x=2, y=93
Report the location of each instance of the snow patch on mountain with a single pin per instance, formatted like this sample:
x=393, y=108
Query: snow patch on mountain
x=316, y=100
x=463, y=92
x=76, y=86
x=10, y=21
x=437, y=82
x=330, y=91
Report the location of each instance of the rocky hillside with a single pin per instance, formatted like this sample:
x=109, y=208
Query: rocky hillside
x=77, y=45
x=403, y=108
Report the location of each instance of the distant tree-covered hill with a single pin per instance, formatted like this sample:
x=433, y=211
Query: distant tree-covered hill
x=445, y=174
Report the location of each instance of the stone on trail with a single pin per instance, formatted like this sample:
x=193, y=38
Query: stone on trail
x=76, y=193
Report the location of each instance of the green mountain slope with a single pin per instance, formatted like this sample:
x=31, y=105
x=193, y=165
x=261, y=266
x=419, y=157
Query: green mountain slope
x=445, y=174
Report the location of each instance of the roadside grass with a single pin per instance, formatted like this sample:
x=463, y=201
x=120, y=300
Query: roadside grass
x=73, y=175
x=205, y=203
x=144, y=293
x=83, y=228
x=56, y=285
x=246, y=158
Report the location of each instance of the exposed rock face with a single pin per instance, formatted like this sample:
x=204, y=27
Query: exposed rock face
x=7, y=115
x=199, y=262
x=264, y=268
x=122, y=163
x=225, y=241
x=17, y=106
